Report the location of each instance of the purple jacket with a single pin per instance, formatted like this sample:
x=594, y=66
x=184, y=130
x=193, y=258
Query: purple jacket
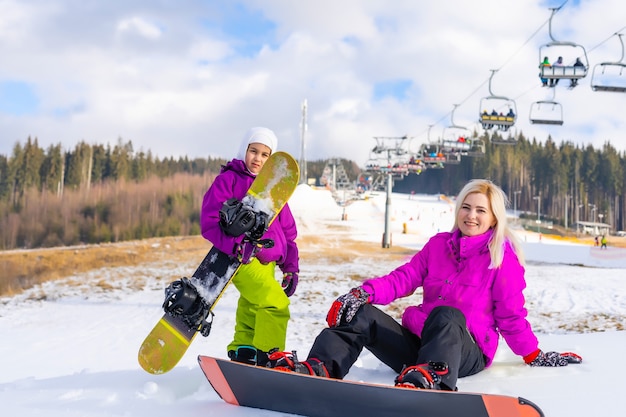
x=234, y=181
x=455, y=271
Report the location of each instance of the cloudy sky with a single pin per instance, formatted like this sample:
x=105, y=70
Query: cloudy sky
x=188, y=77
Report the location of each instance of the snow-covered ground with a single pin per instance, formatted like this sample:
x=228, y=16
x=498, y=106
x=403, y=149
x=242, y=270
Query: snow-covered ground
x=69, y=348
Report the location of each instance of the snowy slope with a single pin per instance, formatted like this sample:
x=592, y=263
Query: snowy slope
x=70, y=350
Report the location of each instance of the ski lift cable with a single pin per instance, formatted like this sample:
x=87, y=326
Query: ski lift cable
x=546, y=22
x=607, y=39
x=554, y=10
x=535, y=86
x=510, y=58
x=486, y=80
x=506, y=62
x=523, y=45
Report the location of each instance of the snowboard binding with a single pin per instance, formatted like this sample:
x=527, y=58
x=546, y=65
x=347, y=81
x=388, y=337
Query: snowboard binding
x=238, y=218
x=182, y=300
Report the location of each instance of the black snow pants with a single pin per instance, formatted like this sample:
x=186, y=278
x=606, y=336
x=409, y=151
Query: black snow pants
x=444, y=338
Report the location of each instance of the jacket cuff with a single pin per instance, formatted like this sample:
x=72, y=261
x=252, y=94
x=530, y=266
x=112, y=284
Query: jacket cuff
x=370, y=290
x=532, y=356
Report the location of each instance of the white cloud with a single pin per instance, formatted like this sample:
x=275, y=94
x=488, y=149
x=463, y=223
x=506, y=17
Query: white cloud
x=209, y=50
x=139, y=26
x=165, y=79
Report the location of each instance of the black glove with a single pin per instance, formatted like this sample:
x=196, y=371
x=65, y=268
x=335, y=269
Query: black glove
x=346, y=306
x=552, y=358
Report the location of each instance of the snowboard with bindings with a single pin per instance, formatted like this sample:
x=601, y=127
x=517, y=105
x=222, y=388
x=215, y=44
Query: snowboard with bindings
x=293, y=393
x=190, y=301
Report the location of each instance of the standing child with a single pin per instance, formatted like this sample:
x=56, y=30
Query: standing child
x=263, y=306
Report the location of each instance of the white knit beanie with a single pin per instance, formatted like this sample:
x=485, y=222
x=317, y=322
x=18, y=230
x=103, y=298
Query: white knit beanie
x=260, y=135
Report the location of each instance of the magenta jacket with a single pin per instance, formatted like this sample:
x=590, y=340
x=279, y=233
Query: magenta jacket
x=234, y=181
x=455, y=271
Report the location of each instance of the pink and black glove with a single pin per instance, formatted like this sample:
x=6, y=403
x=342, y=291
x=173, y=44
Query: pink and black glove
x=539, y=358
x=247, y=250
x=346, y=306
x=290, y=282
x=274, y=253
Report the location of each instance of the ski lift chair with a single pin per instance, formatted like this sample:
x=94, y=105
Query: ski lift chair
x=504, y=108
x=546, y=112
x=453, y=158
x=455, y=138
x=477, y=148
x=416, y=164
x=432, y=155
x=567, y=71
x=569, y=51
x=610, y=76
x=511, y=139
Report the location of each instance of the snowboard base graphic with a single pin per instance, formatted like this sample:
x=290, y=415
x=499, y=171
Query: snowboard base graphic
x=294, y=393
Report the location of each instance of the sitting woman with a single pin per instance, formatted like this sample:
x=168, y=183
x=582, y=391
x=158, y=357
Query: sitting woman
x=473, y=282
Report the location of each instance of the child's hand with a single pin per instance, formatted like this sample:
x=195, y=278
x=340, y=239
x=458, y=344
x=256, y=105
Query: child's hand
x=290, y=282
x=276, y=252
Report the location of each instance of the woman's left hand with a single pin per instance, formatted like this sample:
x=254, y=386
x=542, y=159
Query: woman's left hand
x=539, y=358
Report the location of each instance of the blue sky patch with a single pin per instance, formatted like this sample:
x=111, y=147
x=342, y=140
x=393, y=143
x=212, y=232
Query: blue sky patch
x=17, y=98
x=247, y=30
x=392, y=88
x=559, y=3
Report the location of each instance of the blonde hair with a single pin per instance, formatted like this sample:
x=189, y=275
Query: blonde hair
x=498, y=202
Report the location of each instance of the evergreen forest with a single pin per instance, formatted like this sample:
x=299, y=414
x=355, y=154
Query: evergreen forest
x=557, y=182
x=103, y=193
x=96, y=194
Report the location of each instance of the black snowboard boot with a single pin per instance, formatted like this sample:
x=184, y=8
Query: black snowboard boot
x=423, y=376
x=248, y=355
x=288, y=362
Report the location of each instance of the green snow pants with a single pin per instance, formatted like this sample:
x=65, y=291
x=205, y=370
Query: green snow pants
x=263, y=308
